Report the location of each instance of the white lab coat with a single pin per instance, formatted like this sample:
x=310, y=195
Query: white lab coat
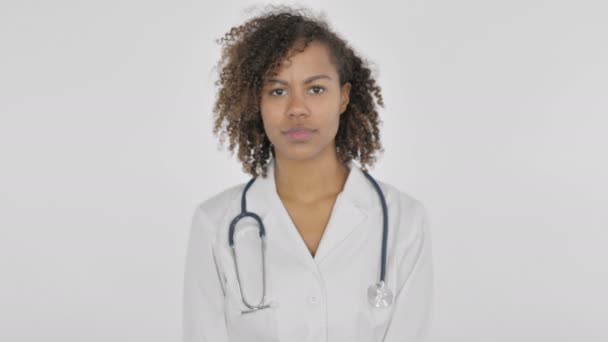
x=320, y=299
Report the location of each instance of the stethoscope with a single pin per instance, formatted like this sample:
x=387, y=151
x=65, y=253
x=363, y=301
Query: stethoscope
x=378, y=294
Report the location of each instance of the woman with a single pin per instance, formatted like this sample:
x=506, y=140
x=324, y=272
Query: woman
x=298, y=102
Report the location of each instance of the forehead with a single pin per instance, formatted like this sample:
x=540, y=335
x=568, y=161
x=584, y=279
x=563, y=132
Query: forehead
x=315, y=58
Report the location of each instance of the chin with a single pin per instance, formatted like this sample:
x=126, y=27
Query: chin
x=297, y=153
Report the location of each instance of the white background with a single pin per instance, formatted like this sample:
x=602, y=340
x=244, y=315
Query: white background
x=496, y=119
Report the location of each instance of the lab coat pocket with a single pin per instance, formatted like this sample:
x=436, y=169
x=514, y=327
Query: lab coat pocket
x=260, y=325
x=373, y=321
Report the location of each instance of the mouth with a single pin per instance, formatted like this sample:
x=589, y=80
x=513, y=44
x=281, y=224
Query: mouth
x=299, y=134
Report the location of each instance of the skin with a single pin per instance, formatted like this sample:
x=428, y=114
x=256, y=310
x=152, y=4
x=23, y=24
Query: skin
x=308, y=175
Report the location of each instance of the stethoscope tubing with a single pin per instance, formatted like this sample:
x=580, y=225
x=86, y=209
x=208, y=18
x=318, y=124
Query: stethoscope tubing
x=262, y=234
x=384, y=226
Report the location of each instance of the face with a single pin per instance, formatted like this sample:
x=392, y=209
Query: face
x=301, y=104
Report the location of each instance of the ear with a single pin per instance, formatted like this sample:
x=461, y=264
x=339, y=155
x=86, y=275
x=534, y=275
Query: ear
x=344, y=96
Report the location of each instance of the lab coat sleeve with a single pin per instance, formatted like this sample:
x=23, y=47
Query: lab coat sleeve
x=203, y=296
x=412, y=316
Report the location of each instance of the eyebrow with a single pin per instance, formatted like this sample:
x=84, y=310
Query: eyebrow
x=308, y=80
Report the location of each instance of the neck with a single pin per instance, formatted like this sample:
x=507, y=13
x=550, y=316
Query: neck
x=310, y=180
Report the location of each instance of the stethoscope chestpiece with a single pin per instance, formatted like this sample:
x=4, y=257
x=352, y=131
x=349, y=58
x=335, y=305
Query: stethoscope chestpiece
x=379, y=295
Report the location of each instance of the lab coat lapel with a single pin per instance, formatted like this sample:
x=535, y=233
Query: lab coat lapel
x=348, y=214
x=281, y=233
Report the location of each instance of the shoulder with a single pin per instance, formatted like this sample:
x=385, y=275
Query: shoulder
x=401, y=199
x=211, y=210
x=407, y=210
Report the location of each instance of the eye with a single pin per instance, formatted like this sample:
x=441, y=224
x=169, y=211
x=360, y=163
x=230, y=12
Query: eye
x=272, y=92
x=320, y=90
x=318, y=87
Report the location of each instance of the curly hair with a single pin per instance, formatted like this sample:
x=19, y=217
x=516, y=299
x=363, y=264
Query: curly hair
x=253, y=51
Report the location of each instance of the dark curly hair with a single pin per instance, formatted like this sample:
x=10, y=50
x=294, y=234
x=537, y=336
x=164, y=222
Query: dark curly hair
x=254, y=50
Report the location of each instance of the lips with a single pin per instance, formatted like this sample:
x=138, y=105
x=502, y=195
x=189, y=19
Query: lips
x=299, y=130
x=299, y=134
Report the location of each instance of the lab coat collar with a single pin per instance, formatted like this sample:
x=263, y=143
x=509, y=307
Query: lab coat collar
x=350, y=210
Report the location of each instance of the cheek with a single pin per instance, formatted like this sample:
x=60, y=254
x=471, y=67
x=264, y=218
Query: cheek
x=332, y=116
x=272, y=125
x=271, y=122
x=268, y=113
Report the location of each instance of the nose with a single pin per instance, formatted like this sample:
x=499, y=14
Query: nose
x=297, y=105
